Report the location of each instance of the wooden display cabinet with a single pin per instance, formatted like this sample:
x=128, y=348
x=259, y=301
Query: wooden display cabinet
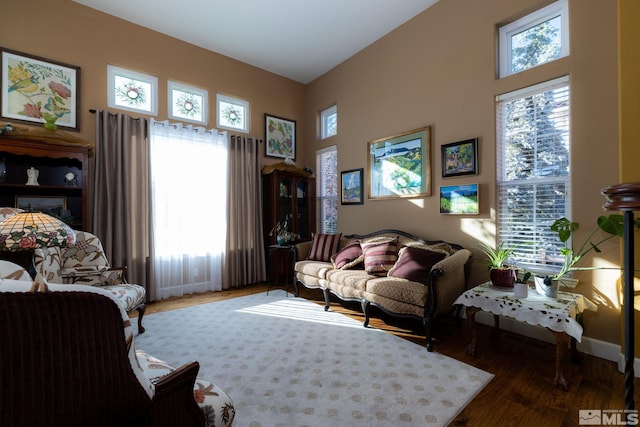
x=63, y=170
x=288, y=195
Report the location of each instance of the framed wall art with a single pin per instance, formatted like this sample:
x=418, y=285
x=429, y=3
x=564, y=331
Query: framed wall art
x=459, y=199
x=187, y=103
x=132, y=91
x=39, y=90
x=280, y=137
x=400, y=165
x=460, y=158
x=352, y=187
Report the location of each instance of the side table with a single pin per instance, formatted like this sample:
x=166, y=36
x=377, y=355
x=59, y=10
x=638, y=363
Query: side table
x=281, y=262
x=557, y=315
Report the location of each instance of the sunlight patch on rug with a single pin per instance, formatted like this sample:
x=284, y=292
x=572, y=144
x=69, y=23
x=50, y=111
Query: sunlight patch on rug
x=286, y=362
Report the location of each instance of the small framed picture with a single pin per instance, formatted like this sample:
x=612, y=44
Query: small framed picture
x=460, y=158
x=50, y=205
x=132, y=91
x=39, y=90
x=352, y=187
x=459, y=199
x=187, y=103
x=280, y=137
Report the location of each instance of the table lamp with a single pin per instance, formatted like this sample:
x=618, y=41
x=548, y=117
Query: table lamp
x=24, y=232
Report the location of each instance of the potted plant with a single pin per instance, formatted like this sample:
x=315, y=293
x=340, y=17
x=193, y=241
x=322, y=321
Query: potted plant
x=283, y=235
x=500, y=274
x=607, y=227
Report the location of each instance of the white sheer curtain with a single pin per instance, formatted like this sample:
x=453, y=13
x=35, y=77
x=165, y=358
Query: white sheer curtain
x=189, y=192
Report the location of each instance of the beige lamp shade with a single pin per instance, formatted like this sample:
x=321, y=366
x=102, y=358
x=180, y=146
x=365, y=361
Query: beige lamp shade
x=30, y=230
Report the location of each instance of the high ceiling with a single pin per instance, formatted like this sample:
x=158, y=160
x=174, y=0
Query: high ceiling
x=297, y=39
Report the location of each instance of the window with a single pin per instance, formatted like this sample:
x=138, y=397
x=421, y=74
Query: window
x=233, y=113
x=537, y=38
x=329, y=122
x=187, y=103
x=327, y=189
x=132, y=91
x=533, y=172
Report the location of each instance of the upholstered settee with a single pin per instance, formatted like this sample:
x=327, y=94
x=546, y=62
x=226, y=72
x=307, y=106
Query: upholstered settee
x=395, y=271
x=68, y=358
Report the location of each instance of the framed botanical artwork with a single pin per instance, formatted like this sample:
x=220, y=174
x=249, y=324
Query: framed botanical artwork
x=187, y=103
x=50, y=205
x=280, y=137
x=460, y=158
x=233, y=113
x=39, y=90
x=400, y=165
x=352, y=187
x=132, y=91
x=459, y=199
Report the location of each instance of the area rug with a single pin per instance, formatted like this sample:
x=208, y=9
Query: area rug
x=286, y=362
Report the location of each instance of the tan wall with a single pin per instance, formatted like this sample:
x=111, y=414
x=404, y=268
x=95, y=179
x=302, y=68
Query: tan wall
x=439, y=70
x=68, y=32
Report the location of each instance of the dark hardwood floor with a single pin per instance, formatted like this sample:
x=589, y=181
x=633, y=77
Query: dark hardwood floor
x=522, y=392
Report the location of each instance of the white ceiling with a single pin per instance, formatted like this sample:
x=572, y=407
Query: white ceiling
x=297, y=39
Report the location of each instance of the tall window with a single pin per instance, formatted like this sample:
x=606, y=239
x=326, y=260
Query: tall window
x=188, y=190
x=534, y=171
x=329, y=122
x=537, y=38
x=327, y=189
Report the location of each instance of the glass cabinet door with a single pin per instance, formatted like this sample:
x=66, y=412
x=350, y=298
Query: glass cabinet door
x=302, y=210
x=285, y=197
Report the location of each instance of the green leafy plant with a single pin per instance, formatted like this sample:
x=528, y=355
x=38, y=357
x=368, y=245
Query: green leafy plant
x=497, y=256
x=607, y=227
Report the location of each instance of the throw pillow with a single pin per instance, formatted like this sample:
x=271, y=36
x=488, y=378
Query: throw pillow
x=348, y=256
x=323, y=246
x=415, y=264
x=379, y=257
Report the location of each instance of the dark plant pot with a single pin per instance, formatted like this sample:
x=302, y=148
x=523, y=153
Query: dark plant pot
x=546, y=287
x=502, y=277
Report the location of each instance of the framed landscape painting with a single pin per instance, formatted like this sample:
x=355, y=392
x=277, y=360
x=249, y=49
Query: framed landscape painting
x=460, y=158
x=39, y=90
x=459, y=199
x=400, y=165
x=280, y=137
x=352, y=187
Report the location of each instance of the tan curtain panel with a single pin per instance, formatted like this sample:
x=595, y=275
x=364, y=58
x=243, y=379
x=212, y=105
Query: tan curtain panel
x=245, y=257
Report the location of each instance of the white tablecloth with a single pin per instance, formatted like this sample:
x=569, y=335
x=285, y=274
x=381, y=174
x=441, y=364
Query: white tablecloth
x=559, y=315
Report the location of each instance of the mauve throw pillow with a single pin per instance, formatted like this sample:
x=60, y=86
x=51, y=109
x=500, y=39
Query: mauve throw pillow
x=415, y=264
x=380, y=257
x=348, y=256
x=323, y=246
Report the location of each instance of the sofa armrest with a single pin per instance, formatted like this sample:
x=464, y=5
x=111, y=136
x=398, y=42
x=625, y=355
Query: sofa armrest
x=448, y=279
x=303, y=249
x=173, y=402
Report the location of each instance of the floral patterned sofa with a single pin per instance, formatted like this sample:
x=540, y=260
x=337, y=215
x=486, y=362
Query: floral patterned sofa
x=395, y=271
x=85, y=263
x=75, y=367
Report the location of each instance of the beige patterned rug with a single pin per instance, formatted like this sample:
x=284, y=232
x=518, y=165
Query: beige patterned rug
x=286, y=362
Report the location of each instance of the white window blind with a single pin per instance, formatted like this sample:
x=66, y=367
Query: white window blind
x=327, y=189
x=533, y=171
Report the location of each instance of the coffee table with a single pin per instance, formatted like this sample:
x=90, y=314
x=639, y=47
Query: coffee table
x=558, y=315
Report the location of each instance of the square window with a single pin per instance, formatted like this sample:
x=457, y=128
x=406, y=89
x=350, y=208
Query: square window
x=187, y=103
x=233, y=113
x=535, y=39
x=132, y=91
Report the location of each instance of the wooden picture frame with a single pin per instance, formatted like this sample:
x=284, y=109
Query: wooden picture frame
x=352, y=187
x=459, y=199
x=460, y=158
x=50, y=205
x=39, y=90
x=280, y=137
x=400, y=165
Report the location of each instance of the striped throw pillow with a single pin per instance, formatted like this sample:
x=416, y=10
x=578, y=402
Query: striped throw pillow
x=380, y=257
x=323, y=246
